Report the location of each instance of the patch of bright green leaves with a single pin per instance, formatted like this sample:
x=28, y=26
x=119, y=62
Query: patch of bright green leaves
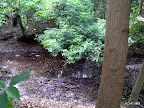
x=77, y=36
x=137, y=33
x=7, y=95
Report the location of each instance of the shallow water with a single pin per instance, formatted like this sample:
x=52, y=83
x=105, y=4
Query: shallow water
x=49, y=80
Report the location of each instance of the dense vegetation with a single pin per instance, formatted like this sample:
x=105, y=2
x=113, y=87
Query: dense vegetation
x=75, y=29
x=136, y=27
x=77, y=36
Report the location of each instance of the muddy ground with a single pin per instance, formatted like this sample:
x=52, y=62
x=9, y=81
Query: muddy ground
x=52, y=85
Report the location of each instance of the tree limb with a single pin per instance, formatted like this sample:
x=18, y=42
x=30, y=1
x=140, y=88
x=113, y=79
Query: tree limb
x=140, y=8
x=139, y=18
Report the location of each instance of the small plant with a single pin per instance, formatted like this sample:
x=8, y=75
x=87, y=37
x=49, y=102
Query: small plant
x=2, y=68
x=8, y=94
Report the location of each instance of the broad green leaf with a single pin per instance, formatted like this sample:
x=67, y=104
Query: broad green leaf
x=2, y=84
x=10, y=104
x=11, y=99
x=3, y=100
x=21, y=77
x=13, y=92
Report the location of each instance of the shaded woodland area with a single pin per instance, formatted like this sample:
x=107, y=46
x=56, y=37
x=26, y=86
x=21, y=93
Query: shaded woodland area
x=71, y=54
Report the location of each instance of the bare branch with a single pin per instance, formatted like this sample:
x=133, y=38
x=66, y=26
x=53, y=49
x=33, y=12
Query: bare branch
x=140, y=7
x=139, y=18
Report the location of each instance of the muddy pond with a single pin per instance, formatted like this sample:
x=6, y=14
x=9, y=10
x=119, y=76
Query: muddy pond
x=76, y=83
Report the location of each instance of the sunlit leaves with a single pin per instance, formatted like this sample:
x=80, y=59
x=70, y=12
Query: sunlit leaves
x=21, y=77
x=136, y=28
x=13, y=92
x=2, y=84
x=76, y=42
x=78, y=36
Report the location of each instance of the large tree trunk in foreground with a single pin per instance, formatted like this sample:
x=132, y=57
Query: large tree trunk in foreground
x=137, y=88
x=115, y=53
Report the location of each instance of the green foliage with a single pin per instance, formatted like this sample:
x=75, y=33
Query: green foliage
x=77, y=36
x=21, y=77
x=7, y=95
x=12, y=92
x=2, y=17
x=136, y=27
x=99, y=9
x=65, y=12
x=137, y=33
x=3, y=99
x=2, y=84
x=25, y=8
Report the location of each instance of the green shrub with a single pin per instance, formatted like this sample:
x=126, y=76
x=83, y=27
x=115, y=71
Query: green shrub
x=136, y=27
x=7, y=95
x=75, y=43
x=77, y=36
x=137, y=33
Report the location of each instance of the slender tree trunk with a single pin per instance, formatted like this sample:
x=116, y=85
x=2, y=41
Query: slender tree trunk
x=115, y=52
x=139, y=18
x=140, y=8
x=137, y=88
x=21, y=25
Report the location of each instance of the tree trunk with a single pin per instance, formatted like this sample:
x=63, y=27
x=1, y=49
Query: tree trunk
x=137, y=88
x=115, y=52
x=21, y=25
x=140, y=8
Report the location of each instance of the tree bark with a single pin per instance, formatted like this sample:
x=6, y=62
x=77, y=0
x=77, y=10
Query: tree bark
x=115, y=53
x=140, y=7
x=21, y=25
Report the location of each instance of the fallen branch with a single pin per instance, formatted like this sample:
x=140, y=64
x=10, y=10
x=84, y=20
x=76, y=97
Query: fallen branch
x=139, y=18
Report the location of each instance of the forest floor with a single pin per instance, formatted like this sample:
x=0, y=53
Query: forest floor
x=52, y=85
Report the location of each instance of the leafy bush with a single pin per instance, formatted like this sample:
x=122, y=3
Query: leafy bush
x=2, y=16
x=77, y=36
x=137, y=33
x=7, y=95
x=73, y=45
x=136, y=27
x=99, y=9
